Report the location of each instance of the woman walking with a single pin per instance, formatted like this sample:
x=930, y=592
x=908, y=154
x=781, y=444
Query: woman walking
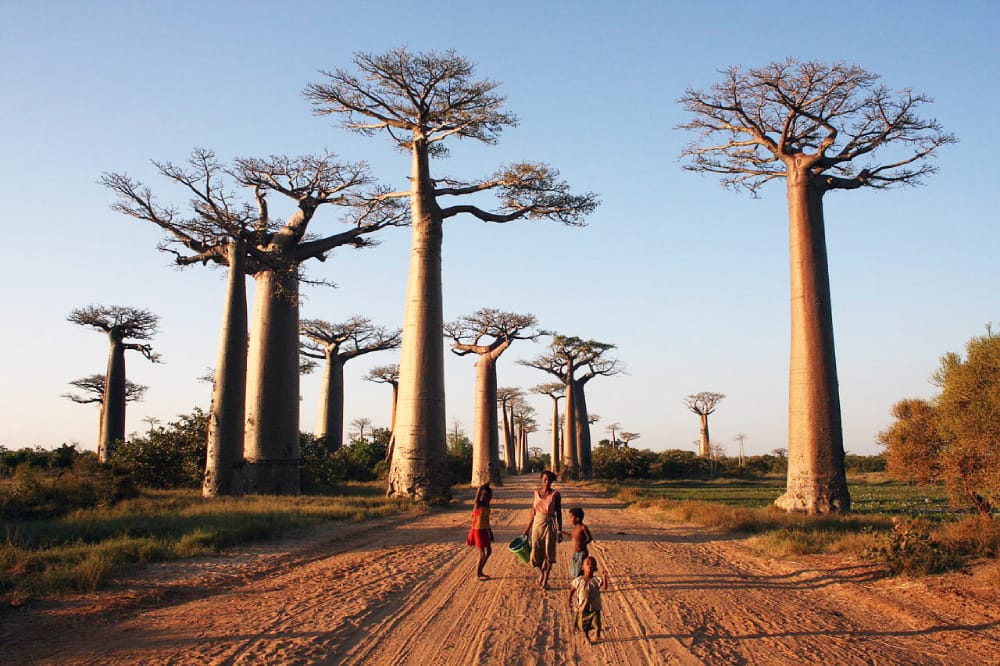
x=545, y=527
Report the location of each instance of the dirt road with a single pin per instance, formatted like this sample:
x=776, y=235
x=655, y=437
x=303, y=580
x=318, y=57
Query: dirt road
x=398, y=592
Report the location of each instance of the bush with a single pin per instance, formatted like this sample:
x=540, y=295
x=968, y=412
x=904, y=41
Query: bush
x=323, y=466
x=167, y=457
x=621, y=463
x=909, y=548
x=34, y=493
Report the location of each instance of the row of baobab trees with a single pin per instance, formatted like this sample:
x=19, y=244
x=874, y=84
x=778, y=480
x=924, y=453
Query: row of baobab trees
x=817, y=126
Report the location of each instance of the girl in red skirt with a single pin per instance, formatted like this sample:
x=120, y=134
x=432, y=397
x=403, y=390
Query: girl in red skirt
x=481, y=535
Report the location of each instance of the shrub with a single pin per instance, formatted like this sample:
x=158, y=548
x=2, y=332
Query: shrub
x=167, y=457
x=621, y=463
x=909, y=548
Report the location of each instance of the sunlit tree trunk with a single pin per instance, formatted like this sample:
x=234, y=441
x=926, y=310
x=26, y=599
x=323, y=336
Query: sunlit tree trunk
x=113, y=410
x=485, y=437
x=272, y=423
x=508, y=441
x=419, y=462
x=816, y=478
x=226, y=422
x=556, y=462
x=571, y=460
x=330, y=423
x=704, y=449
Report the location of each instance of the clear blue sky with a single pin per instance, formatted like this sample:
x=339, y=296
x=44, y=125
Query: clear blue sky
x=689, y=280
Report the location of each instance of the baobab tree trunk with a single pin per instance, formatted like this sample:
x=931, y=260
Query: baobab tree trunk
x=224, y=453
x=330, y=423
x=571, y=460
x=508, y=442
x=703, y=440
x=816, y=479
x=583, y=432
x=485, y=439
x=392, y=427
x=113, y=409
x=555, y=437
x=419, y=461
x=272, y=423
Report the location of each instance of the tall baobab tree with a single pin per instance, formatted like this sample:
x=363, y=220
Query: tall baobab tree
x=216, y=231
x=703, y=404
x=387, y=374
x=575, y=362
x=506, y=397
x=220, y=229
x=488, y=333
x=336, y=344
x=740, y=438
x=127, y=328
x=523, y=422
x=612, y=429
x=556, y=391
x=92, y=387
x=818, y=126
x=420, y=100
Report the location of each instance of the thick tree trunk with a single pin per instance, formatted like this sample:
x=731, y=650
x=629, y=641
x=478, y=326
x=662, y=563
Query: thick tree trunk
x=113, y=411
x=571, y=460
x=508, y=442
x=330, y=423
x=224, y=454
x=419, y=462
x=704, y=449
x=485, y=438
x=816, y=478
x=583, y=446
x=555, y=436
x=272, y=423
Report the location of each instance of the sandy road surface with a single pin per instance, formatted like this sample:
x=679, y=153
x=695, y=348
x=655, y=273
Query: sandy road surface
x=399, y=592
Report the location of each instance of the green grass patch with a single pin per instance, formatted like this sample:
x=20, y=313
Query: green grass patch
x=910, y=529
x=86, y=547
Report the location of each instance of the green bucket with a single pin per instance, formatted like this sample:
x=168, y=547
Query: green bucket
x=521, y=547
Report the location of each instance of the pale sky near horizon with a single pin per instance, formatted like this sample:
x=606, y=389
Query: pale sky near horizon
x=689, y=280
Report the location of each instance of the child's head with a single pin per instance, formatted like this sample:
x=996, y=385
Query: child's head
x=589, y=567
x=577, y=515
x=484, y=494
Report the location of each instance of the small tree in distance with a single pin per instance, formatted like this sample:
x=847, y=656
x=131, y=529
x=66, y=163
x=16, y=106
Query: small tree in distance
x=126, y=328
x=703, y=404
x=818, y=127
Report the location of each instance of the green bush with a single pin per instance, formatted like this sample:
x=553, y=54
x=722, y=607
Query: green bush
x=33, y=493
x=167, y=457
x=621, y=463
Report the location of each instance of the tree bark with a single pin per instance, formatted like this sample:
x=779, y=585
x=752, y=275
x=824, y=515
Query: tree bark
x=272, y=422
x=330, y=423
x=508, y=442
x=485, y=438
x=419, y=462
x=571, y=460
x=703, y=441
x=113, y=410
x=583, y=445
x=816, y=479
x=555, y=436
x=226, y=423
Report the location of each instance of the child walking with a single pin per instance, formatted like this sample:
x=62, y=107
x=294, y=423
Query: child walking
x=480, y=535
x=581, y=537
x=587, y=592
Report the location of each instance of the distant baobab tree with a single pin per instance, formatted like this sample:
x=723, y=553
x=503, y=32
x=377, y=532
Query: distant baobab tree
x=703, y=404
x=420, y=100
x=740, y=438
x=127, y=329
x=488, y=333
x=93, y=387
x=575, y=362
x=556, y=391
x=360, y=424
x=506, y=396
x=817, y=126
x=221, y=229
x=612, y=429
x=628, y=437
x=336, y=344
x=387, y=374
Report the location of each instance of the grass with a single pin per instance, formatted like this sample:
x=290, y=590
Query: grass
x=910, y=529
x=85, y=548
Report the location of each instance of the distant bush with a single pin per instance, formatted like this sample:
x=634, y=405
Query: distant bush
x=622, y=463
x=35, y=492
x=167, y=457
x=323, y=466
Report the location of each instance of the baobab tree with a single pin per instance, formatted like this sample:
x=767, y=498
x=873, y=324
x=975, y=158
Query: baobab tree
x=220, y=229
x=387, y=374
x=740, y=438
x=612, y=429
x=820, y=127
x=420, y=100
x=336, y=344
x=506, y=396
x=127, y=328
x=703, y=404
x=92, y=387
x=628, y=437
x=488, y=333
x=556, y=391
x=523, y=422
x=575, y=362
